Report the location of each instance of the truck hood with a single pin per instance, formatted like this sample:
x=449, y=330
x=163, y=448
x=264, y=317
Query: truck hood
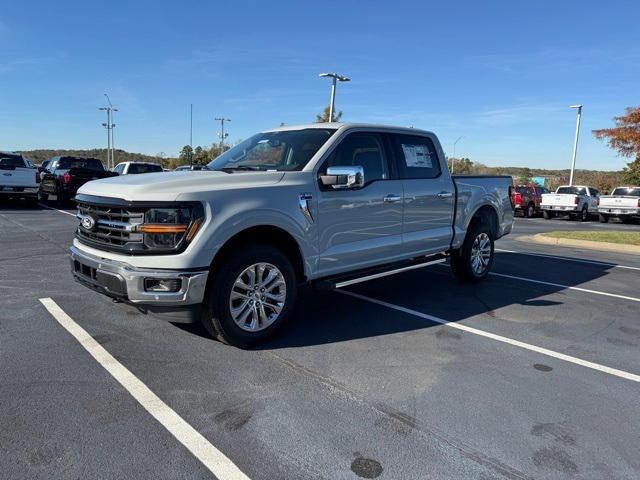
x=166, y=186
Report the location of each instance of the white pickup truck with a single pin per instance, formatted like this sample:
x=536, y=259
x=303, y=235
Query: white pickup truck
x=623, y=203
x=577, y=201
x=19, y=178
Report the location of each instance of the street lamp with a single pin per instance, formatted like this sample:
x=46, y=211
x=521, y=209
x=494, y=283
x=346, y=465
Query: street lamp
x=335, y=78
x=575, y=141
x=453, y=158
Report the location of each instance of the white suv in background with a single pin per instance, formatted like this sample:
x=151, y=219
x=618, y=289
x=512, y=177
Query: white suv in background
x=130, y=168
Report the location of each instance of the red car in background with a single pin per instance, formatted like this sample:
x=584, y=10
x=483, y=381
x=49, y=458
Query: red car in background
x=527, y=199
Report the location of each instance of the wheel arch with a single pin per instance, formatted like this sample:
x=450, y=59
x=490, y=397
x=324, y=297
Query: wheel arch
x=486, y=214
x=268, y=235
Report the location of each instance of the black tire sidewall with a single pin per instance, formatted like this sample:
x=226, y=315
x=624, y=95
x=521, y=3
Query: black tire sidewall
x=461, y=260
x=217, y=317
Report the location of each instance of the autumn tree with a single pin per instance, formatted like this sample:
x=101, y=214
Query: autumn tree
x=324, y=116
x=625, y=138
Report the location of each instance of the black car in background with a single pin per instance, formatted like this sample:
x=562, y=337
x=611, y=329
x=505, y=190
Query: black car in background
x=63, y=176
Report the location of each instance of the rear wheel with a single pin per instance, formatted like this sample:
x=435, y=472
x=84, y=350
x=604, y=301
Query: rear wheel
x=61, y=198
x=546, y=214
x=472, y=262
x=251, y=295
x=43, y=197
x=603, y=218
x=584, y=214
x=530, y=211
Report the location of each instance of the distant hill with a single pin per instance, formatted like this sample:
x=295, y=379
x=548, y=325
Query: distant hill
x=38, y=156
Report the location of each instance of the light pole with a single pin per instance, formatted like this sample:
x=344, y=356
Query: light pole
x=222, y=135
x=575, y=142
x=334, y=79
x=453, y=158
x=106, y=125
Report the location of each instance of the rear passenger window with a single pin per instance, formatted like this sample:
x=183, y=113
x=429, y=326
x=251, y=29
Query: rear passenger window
x=417, y=157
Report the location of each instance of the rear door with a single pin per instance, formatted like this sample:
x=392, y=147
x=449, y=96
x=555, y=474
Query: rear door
x=359, y=227
x=429, y=195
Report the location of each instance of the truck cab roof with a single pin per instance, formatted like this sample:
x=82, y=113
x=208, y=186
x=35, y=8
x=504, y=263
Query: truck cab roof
x=348, y=126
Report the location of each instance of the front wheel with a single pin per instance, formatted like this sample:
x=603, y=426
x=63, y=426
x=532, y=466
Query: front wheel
x=472, y=262
x=251, y=295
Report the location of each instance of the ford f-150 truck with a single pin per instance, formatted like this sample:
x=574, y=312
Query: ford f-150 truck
x=324, y=204
x=19, y=178
x=623, y=203
x=579, y=202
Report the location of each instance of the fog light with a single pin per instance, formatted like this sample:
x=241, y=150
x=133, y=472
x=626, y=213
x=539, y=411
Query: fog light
x=167, y=285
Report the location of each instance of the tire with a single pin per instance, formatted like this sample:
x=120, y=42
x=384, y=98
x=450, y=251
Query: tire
x=583, y=216
x=43, y=197
x=462, y=260
x=603, y=218
x=250, y=331
x=530, y=211
x=546, y=215
x=625, y=219
x=61, y=198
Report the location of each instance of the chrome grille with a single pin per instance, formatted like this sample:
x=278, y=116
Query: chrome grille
x=114, y=225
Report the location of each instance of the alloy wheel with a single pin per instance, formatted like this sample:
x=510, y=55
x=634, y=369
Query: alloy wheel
x=480, y=253
x=257, y=297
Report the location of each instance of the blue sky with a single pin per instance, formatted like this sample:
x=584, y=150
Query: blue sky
x=500, y=73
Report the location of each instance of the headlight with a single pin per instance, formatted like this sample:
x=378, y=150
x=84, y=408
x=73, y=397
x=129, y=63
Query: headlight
x=168, y=228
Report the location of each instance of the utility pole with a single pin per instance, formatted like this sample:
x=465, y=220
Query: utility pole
x=191, y=137
x=111, y=157
x=575, y=142
x=222, y=135
x=335, y=77
x=453, y=158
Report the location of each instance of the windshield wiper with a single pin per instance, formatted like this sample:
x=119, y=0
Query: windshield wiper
x=249, y=168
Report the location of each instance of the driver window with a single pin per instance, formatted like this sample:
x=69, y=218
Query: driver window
x=364, y=150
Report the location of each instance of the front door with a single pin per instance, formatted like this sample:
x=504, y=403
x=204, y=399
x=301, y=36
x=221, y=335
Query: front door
x=363, y=226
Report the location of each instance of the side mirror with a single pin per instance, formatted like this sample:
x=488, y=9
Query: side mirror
x=343, y=177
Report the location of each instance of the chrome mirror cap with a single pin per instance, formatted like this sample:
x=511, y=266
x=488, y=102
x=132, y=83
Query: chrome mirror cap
x=343, y=177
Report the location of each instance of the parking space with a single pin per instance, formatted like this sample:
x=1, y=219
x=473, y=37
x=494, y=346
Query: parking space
x=410, y=376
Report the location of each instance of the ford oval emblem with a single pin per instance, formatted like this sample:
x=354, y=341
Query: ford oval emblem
x=88, y=222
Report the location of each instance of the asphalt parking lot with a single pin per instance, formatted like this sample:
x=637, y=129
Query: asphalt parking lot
x=531, y=374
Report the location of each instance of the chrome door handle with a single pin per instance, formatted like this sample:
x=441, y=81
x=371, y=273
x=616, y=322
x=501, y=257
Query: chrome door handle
x=392, y=198
x=445, y=195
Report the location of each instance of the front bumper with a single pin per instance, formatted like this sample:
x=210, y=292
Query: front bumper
x=127, y=283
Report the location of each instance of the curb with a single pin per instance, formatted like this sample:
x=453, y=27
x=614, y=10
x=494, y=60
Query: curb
x=588, y=244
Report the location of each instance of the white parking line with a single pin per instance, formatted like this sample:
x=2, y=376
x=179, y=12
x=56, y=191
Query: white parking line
x=569, y=259
x=61, y=211
x=516, y=343
x=579, y=289
x=212, y=458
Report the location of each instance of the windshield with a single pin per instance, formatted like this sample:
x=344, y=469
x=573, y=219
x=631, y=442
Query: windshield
x=630, y=192
x=144, y=168
x=286, y=150
x=572, y=190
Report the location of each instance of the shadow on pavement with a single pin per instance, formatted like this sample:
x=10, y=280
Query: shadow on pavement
x=326, y=317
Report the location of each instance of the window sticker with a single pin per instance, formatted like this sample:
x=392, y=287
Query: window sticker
x=417, y=156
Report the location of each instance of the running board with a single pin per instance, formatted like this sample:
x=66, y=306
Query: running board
x=340, y=281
